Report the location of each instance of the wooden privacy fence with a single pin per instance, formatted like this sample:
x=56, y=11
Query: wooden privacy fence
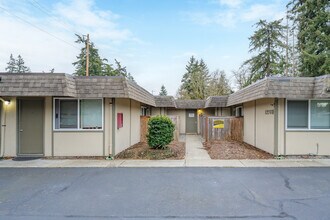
x=229, y=128
x=144, y=127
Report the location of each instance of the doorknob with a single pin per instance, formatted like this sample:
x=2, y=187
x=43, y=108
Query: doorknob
x=21, y=130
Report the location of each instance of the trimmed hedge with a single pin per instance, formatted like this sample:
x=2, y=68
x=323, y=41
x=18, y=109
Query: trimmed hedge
x=160, y=131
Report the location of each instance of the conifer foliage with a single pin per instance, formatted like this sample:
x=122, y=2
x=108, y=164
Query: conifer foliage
x=163, y=91
x=97, y=66
x=16, y=65
x=311, y=20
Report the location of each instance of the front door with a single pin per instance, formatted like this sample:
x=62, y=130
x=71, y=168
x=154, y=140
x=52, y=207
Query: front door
x=30, y=126
x=191, y=121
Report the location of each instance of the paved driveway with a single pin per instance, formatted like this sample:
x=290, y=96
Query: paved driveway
x=156, y=193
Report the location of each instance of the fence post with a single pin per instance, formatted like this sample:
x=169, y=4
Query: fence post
x=206, y=128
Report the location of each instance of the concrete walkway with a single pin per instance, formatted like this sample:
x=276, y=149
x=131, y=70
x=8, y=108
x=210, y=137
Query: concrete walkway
x=195, y=149
x=196, y=156
x=43, y=163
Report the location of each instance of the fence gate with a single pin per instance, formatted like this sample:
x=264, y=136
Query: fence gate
x=221, y=128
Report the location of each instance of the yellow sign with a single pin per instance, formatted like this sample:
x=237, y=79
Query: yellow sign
x=218, y=124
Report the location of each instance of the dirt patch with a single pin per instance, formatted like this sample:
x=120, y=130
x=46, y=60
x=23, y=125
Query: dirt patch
x=141, y=151
x=227, y=150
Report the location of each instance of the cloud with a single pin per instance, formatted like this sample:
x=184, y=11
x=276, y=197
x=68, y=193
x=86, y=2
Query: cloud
x=222, y=18
x=260, y=11
x=231, y=3
x=236, y=14
x=42, y=51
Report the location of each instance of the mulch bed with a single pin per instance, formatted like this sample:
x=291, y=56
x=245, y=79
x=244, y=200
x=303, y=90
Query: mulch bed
x=141, y=151
x=227, y=150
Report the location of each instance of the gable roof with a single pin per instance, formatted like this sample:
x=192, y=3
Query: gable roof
x=66, y=85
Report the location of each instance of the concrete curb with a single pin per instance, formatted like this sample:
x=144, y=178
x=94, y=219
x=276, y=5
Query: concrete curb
x=44, y=163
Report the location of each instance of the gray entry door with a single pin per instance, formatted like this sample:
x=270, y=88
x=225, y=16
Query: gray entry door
x=191, y=121
x=30, y=126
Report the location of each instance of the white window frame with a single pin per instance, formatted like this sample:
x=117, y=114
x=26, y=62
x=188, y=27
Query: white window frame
x=309, y=115
x=78, y=115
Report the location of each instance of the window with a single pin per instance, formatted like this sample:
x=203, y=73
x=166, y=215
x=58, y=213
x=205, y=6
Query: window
x=297, y=114
x=145, y=111
x=320, y=114
x=78, y=114
x=91, y=114
x=308, y=114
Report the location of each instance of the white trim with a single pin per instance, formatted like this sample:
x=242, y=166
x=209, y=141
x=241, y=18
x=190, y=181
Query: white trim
x=309, y=116
x=78, y=114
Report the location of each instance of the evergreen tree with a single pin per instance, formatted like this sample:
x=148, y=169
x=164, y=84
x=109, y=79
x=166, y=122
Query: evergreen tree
x=121, y=71
x=163, y=91
x=219, y=84
x=268, y=41
x=20, y=67
x=95, y=61
x=97, y=66
x=194, y=81
x=11, y=65
x=311, y=19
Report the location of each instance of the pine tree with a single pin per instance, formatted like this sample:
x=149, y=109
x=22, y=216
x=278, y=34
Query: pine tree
x=269, y=43
x=311, y=19
x=20, y=67
x=163, y=91
x=11, y=65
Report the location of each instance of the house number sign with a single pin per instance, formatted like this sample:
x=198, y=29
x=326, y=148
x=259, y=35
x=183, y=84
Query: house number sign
x=269, y=112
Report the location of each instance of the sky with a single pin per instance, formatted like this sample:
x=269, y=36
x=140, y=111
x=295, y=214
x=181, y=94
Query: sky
x=152, y=38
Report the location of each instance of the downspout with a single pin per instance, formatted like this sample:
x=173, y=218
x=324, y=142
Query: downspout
x=255, y=123
x=130, y=122
x=276, y=126
x=4, y=127
x=113, y=127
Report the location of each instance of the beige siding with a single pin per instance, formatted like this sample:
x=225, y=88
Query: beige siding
x=81, y=143
x=249, y=123
x=123, y=134
x=281, y=126
x=108, y=125
x=9, y=140
x=155, y=111
x=225, y=111
x=265, y=125
x=48, y=127
x=305, y=142
x=135, y=122
x=182, y=118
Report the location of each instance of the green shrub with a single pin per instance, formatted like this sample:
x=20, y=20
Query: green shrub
x=160, y=131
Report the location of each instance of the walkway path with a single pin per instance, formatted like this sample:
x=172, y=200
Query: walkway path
x=195, y=149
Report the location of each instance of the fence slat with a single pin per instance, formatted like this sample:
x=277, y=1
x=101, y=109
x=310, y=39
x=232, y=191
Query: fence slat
x=233, y=128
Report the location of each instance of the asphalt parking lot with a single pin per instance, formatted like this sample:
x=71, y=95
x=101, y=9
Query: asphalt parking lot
x=164, y=193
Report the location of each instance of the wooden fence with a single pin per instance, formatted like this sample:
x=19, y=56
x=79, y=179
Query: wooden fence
x=144, y=127
x=232, y=128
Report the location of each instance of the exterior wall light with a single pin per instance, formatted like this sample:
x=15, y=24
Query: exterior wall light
x=7, y=102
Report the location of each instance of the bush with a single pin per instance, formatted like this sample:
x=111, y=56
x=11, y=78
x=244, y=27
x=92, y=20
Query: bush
x=160, y=131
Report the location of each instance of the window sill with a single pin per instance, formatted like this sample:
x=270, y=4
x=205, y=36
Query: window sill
x=307, y=130
x=77, y=130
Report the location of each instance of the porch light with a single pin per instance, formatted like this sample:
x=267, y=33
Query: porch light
x=7, y=102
